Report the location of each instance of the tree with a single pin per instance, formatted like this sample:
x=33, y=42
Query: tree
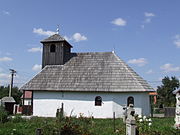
x=165, y=95
x=16, y=94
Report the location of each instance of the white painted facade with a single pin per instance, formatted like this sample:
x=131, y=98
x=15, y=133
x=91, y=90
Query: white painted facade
x=45, y=104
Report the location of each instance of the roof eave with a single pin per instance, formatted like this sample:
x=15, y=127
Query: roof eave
x=111, y=91
x=57, y=42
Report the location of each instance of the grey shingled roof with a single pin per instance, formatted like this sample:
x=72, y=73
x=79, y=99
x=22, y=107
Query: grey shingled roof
x=89, y=72
x=8, y=100
x=55, y=37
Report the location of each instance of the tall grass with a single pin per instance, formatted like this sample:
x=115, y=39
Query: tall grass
x=80, y=126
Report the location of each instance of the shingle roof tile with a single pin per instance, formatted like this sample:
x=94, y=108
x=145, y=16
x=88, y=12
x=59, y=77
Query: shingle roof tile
x=89, y=72
x=55, y=37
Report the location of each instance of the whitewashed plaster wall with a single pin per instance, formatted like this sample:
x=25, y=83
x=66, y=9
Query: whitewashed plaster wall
x=45, y=104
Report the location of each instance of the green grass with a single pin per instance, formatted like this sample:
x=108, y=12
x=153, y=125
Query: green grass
x=106, y=127
x=164, y=126
x=81, y=126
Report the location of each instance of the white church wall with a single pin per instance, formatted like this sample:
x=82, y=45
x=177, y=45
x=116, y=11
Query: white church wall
x=46, y=103
x=141, y=103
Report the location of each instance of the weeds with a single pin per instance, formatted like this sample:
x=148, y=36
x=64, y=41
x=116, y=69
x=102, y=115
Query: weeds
x=81, y=126
x=3, y=115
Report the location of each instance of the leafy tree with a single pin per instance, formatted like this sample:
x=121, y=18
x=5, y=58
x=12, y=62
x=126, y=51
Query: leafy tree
x=165, y=95
x=16, y=94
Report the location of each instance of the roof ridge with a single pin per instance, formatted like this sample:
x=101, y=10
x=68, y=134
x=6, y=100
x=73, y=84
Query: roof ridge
x=93, y=52
x=53, y=66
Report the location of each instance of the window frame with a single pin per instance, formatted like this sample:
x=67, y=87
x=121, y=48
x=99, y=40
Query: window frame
x=52, y=48
x=130, y=100
x=98, y=101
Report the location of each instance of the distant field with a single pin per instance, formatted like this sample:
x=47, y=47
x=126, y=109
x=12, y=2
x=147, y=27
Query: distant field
x=81, y=126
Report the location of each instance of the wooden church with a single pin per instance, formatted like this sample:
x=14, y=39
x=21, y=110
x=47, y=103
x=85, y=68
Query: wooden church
x=93, y=84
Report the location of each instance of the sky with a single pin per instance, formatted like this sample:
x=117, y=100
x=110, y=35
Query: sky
x=143, y=33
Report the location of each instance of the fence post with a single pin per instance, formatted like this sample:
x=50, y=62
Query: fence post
x=114, y=121
x=62, y=109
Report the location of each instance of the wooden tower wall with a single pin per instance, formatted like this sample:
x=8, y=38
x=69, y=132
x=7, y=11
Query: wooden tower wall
x=59, y=57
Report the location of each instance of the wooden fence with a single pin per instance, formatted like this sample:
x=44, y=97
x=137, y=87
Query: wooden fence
x=27, y=110
x=169, y=111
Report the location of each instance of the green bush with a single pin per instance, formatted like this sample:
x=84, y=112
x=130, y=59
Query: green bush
x=3, y=115
x=144, y=124
x=76, y=126
x=17, y=119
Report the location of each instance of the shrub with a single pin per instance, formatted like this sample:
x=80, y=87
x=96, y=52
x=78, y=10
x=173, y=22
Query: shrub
x=17, y=119
x=3, y=115
x=76, y=126
x=143, y=124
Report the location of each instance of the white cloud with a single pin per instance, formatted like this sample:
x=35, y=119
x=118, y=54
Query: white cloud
x=35, y=49
x=78, y=37
x=67, y=38
x=5, y=12
x=147, y=20
x=169, y=68
x=160, y=78
x=36, y=67
x=139, y=62
x=4, y=76
x=142, y=26
x=119, y=22
x=177, y=41
x=4, y=59
x=177, y=36
x=149, y=71
x=40, y=31
x=149, y=14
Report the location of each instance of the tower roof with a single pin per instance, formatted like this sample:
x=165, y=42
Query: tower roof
x=55, y=38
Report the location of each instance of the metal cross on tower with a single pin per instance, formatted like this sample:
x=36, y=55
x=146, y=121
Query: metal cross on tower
x=57, y=30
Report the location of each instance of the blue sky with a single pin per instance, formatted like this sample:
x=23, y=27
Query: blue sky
x=145, y=34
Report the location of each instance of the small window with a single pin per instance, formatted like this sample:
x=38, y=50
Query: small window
x=130, y=100
x=29, y=102
x=52, y=48
x=98, y=101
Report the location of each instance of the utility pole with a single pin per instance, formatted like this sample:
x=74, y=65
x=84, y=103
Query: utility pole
x=12, y=77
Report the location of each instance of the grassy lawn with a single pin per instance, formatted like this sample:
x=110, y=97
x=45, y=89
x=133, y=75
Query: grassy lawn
x=81, y=126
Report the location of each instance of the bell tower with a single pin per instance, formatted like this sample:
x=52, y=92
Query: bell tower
x=56, y=50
